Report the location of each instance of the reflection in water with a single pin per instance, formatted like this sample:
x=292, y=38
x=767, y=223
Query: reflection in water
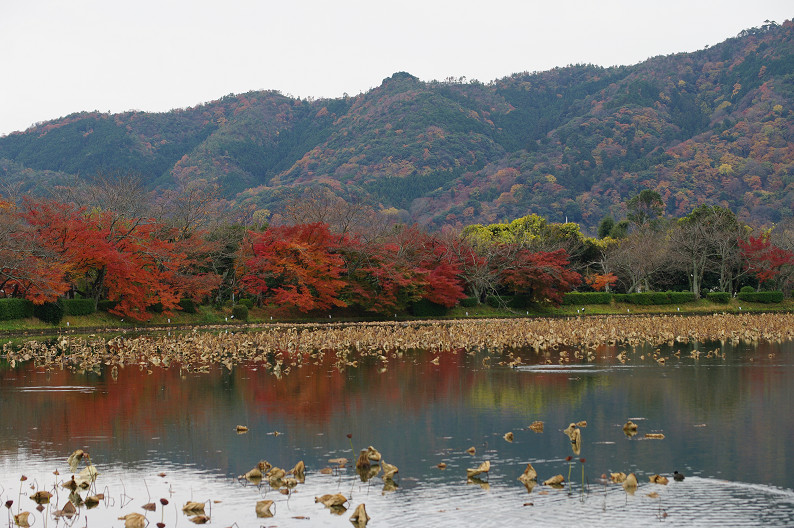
x=726, y=424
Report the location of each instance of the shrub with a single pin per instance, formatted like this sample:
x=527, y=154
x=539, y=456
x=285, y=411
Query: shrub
x=519, y=301
x=655, y=298
x=77, y=306
x=13, y=308
x=747, y=289
x=425, y=308
x=761, y=297
x=240, y=312
x=248, y=303
x=579, y=298
x=156, y=307
x=49, y=312
x=468, y=302
x=188, y=306
x=719, y=297
x=681, y=297
x=493, y=301
x=106, y=305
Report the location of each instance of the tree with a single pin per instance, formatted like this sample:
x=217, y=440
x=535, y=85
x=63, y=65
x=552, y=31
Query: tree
x=293, y=266
x=543, y=276
x=105, y=255
x=636, y=259
x=765, y=260
x=702, y=241
x=645, y=208
x=26, y=268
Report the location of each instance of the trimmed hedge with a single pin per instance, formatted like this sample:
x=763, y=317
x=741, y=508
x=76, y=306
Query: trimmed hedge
x=77, y=306
x=761, y=297
x=106, y=304
x=49, y=312
x=240, y=312
x=425, y=308
x=468, y=302
x=579, y=298
x=655, y=298
x=719, y=297
x=681, y=297
x=747, y=289
x=13, y=308
x=188, y=306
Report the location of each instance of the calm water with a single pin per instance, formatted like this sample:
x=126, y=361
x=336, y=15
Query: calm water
x=727, y=424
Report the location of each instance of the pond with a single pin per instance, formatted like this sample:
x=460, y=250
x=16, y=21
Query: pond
x=170, y=433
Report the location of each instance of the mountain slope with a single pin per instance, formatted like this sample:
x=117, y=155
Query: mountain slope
x=714, y=126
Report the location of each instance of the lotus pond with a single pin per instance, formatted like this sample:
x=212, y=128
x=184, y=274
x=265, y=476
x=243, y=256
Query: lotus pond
x=164, y=431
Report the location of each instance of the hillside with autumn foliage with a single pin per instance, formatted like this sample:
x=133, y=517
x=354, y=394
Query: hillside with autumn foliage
x=711, y=127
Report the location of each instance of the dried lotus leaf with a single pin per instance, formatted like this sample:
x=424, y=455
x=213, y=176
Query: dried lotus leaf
x=360, y=517
x=373, y=454
x=389, y=470
x=485, y=467
x=529, y=475
x=41, y=497
x=331, y=501
x=133, y=520
x=263, y=508
x=192, y=508
x=556, y=480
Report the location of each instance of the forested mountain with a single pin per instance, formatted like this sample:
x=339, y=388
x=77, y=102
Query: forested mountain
x=715, y=126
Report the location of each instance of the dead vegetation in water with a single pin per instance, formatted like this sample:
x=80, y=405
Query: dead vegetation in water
x=285, y=348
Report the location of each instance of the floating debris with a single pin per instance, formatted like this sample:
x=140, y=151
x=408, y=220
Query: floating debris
x=263, y=508
x=360, y=517
x=555, y=481
x=654, y=436
x=508, y=437
x=529, y=475
x=331, y=500
x=658, y=479
x=536, y=426
x=630, y=484
x=485, y=467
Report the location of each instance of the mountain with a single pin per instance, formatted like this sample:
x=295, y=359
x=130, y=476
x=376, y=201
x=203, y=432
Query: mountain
x=714, y=126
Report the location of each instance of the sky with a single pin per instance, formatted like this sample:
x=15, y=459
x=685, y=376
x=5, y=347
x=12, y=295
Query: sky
x=65, y=56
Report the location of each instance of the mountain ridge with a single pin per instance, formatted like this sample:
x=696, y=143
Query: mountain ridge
x=712, y=126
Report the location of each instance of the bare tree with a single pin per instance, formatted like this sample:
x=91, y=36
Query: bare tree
x=637, y=259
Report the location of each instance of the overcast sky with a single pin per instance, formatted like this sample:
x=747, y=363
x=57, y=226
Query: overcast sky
x=64, y=56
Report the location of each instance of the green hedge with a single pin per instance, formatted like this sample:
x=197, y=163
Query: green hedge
x=49, y=312
x=77, y=306
x=493, y=301
x=240, y=312
x=747, y=289
x=655, y=298
x=105, y=305
x=188, y=306
x=425, y=308
x=681, y=297
x=761, y=297
x=579, y=298
x=719, y=297
x=468, y=302
x=15, y=309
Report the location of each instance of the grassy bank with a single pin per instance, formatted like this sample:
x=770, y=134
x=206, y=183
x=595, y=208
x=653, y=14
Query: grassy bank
x=207, y=315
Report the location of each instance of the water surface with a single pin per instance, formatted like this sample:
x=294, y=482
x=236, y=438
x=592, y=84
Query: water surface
x=726, y=423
